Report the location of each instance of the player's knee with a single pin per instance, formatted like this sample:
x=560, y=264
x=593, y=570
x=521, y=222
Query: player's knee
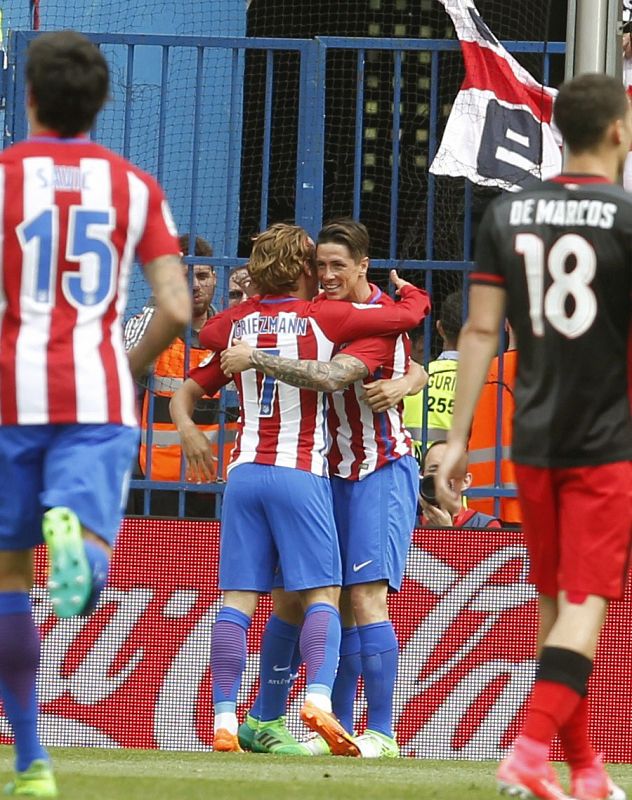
x=246, y=602
x=16, y=570
x=323, y=594
x=287, y=606
x=368, y=602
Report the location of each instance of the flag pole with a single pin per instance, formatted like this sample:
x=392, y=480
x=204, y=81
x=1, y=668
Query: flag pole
x=593, y=37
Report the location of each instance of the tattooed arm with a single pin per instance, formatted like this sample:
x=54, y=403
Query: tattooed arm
x=320, y=376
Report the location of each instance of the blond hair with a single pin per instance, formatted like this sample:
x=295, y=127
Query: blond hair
x=278, y=257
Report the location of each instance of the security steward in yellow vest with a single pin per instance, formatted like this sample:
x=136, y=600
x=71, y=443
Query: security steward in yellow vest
x=439, y=393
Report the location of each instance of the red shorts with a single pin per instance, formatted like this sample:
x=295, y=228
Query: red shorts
x=577, y=523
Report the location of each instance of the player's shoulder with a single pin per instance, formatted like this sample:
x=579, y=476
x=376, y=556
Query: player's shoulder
x=12, y=153
x=121, y=163
x=380, y=297
x=569, y=200
x=235, y=313
x=249, y=306
x=16, y=153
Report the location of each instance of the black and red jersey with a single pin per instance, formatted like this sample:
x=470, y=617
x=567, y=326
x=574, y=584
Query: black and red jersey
x=563, y=253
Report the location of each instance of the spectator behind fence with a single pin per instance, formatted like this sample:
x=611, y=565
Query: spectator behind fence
x=240, y=286
x=167, y=375
x=455, y=515
x=442, y=379
x=482, y=444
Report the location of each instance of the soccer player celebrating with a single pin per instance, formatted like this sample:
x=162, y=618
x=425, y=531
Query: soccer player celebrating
x=558, y=258
x=277, y=506
x=73, y=215
x=375, y=479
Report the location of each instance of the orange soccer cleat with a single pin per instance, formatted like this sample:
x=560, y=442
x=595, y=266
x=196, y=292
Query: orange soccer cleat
x=324, y=723
x=226, y=742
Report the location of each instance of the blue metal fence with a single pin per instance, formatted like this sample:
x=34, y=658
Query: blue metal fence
x=211, y=114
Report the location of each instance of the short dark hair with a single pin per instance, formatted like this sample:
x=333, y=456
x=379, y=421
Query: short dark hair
x=353, y=235
x=68, y=79
x=585, y=106
x=422, y=465
x=202, y=247
x=452, y=315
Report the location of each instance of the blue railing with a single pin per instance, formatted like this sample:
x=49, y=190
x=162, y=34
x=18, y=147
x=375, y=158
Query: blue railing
x=167, y=92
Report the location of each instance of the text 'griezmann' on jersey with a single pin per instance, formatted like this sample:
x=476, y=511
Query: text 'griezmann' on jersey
x=282, y=425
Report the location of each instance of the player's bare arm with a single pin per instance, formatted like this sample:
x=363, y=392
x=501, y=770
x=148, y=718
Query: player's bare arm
x=319, y=376
x=173, y=311
x=387, y=393
x=478, y=344
x=195, y=446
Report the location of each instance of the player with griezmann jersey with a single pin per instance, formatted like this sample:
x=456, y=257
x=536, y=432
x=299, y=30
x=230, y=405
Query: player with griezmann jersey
x=277, y=505
x=559, y=257
x=73, y=216
x=374, y=478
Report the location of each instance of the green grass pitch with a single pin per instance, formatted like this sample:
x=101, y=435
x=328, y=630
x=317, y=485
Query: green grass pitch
x=99, y=774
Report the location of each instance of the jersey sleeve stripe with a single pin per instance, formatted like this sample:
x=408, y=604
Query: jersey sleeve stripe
x=484, y=277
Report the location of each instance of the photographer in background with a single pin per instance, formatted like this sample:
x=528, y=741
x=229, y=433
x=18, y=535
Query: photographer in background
x=456, y=516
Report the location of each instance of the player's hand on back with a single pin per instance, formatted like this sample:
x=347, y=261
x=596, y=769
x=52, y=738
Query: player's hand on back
x=199, y=456
x=236, y=358
x=384, y=394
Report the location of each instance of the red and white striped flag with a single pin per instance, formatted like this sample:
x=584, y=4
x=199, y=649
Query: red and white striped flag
x=499, y=132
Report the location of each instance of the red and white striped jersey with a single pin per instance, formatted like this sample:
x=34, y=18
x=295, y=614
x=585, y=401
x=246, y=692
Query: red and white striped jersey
x=282, y=425
x=361, y=439
x=73, y=216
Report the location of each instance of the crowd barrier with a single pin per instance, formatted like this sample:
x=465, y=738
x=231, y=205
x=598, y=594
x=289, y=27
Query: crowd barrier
x=137, y=672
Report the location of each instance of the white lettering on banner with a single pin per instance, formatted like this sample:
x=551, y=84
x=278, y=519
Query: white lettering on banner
x=435, y=738
x=92, y=681
x=137, y=674
x=469, y=591
x=178, y=697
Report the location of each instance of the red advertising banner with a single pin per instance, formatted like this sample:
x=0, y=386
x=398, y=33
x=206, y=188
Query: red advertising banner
x=137, y=672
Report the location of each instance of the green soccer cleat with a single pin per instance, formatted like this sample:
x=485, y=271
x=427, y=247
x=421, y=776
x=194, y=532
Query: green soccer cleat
x=316, y=745
x=374, y=744
x=274, y=737
x=69, y=574
x=36, y=781
x=246, y=732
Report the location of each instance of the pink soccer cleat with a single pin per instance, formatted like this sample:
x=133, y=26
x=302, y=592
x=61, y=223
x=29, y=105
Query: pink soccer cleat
x=519, y=777
x=594, y=783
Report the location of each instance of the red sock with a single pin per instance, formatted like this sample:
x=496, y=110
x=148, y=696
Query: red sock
x=574, y=738
x=550, y=708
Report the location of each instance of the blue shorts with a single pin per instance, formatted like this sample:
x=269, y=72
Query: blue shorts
x=375, y=518
x=277, y=517
x=83, y=467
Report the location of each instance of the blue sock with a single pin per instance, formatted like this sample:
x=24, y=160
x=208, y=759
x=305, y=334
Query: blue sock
x=99, y=561
x=275, y=666
x=320, y=647
x=19, y=661
x=295, y=665
x=349, y=671
x=228, y=657
x=379, y=651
